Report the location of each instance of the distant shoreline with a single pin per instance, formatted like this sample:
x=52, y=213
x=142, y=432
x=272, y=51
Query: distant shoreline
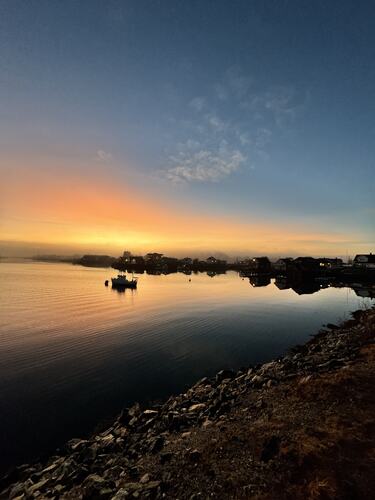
x=297, y=274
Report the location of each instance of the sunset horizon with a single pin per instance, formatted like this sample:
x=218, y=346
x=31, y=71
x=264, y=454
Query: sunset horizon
x=91, y=211
x=157, y=136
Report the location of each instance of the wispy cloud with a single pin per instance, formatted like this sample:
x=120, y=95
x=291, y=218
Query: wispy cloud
x=258, y=139
x=233, y=85
x=282, y=104
x=237, y=83
x=103, y=156
x=204, y=165
x=262, y=137
x=220, y=91
x=197, y=103
x=238, y=120
x=216, y=123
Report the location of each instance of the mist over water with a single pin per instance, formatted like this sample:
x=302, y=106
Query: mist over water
x=74, y=352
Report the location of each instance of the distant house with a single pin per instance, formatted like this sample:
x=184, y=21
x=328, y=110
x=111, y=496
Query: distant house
x=260, y=264
x=137, y=260
x=211, y=260
x=170, y=261
x=153, y=257
x=282, y=265
x=306, y=264
x=364, y=261
x=126, y=256
x=186, y=261
x=244, y=262
x=215, y=262
x=325, y=263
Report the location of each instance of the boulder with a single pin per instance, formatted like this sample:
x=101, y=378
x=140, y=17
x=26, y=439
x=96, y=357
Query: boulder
x=223, y=374
x=145, y=478
x=195, y=455
x=157, y=444
x=197, y=407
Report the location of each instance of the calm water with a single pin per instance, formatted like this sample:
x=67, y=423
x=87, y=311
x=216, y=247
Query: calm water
x=73, y=352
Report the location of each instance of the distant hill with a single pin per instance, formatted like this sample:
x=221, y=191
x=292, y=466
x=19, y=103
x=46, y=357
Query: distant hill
x=95, y=260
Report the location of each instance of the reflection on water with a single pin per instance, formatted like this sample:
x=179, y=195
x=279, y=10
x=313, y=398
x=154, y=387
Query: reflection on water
x=260, y=280
x=73, y=352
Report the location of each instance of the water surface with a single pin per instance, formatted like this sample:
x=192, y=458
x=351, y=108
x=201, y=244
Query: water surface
x=74, y=352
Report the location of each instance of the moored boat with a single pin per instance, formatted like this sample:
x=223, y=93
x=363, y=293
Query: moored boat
x=123, y=282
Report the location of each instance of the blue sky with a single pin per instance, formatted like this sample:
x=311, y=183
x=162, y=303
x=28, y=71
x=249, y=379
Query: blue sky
x=260, y=111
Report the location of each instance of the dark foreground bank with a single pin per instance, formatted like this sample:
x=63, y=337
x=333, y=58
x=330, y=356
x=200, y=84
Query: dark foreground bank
x=300, y=427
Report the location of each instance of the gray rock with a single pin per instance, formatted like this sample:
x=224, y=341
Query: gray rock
x=223, y=374
x=197, y=407
x=157, y=444
x=135, y=410
x=17, y=490
x=257, y=380
x=150, y=413
x=145, y=478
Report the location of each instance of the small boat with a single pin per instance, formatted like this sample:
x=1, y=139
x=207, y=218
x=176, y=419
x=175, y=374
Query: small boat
x=123, y=282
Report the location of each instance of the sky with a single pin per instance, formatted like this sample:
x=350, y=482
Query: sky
x=187, y=127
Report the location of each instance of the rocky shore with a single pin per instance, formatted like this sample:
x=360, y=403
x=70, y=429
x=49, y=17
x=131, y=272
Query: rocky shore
x=299, y=427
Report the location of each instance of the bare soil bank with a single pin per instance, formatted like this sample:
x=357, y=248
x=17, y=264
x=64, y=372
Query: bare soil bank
x=301, y=427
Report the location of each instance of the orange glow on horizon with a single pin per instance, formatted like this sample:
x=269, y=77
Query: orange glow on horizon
x=91, y=214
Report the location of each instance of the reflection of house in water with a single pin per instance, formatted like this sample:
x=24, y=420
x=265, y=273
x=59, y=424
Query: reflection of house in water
x=211, y=274
x=364, y=291
x=154, y=272
x=259, y=280
x=282, y=283
x=306, y=287
x=300, y=287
